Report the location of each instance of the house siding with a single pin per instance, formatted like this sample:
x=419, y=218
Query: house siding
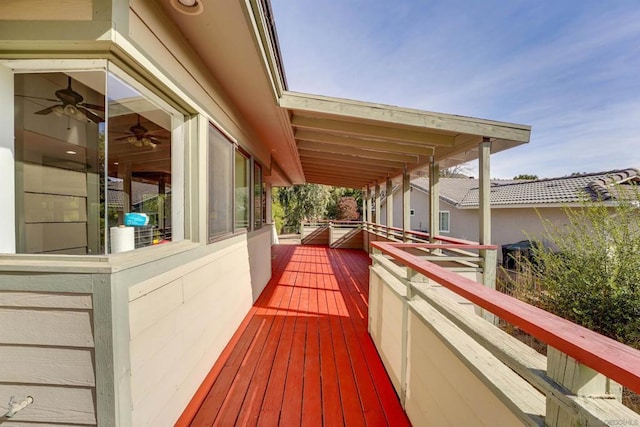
x=46, y=351
x=181, y=320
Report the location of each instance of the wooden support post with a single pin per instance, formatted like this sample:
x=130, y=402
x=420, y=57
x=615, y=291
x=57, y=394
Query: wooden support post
x=581, y=381
x=364, y=205
x=489, y=257
x=434, y=200
x=412, y=277
x=484, y=168
x=331, y=234
x=377, y=205
x=369, y=217
x=389, y=202
x=406, y=204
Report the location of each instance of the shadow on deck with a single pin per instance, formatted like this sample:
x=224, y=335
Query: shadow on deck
x=303, y=355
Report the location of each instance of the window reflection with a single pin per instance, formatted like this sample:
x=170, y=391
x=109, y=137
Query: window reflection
x=139, y=165
x=241, y=190
x=80, y=172
x=59, y=148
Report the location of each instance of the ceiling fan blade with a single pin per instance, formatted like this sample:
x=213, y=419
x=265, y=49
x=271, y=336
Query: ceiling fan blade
x=46, y=111
x=93, y=117
x=122, y=138
x=92, y=106
x=36, y=97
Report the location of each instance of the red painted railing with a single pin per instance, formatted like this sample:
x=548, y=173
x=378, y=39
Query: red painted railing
x=607, y=356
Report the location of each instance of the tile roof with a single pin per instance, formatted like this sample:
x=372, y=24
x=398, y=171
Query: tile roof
x=464, y=192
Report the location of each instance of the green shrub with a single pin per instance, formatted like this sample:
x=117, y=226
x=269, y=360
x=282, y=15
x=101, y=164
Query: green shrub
x=589, y=270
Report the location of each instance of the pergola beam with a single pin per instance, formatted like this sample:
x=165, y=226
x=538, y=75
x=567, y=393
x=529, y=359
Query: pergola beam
x=438, y=124
x=353, y=151
x=310, y=161
x=371, y=131
x=335, y=182
x=369, y=144
x=343, y=174
x=349, y=158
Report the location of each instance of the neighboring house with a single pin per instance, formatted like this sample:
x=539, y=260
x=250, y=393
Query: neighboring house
x=516, y=206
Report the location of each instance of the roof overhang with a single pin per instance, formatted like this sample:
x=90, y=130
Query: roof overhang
x=319, y=139
x=351, y=142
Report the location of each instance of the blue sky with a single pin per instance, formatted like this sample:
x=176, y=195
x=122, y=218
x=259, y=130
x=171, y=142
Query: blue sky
x=570, y=69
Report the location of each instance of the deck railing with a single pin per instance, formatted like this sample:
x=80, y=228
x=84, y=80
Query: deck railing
x=449, y=366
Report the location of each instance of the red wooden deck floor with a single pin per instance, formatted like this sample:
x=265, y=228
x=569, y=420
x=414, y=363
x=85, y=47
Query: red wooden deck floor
x=303, y=355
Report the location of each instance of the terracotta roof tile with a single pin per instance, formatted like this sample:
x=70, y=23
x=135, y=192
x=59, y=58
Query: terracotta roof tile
x=567, y=189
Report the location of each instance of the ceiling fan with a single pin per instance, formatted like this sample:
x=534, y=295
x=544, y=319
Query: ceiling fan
x=72, y=105
x=141, y=137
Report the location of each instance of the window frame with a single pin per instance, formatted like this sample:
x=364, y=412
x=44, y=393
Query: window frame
x=441, y=216
x=248, y=177
x=13, y=67
x=231, y=161
x=258, y=191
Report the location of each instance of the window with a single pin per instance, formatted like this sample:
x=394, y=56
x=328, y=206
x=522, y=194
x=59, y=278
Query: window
x=87, y=158
x=258, y=195
x=444, y=221
x=220, y=195
x=241, y=190
x=140, y=177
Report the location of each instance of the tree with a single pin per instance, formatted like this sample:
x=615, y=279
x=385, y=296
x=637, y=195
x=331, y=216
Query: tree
x=458, y=171
x=302, y=202
x=589, y=272
x=347, y=209
x=336, y=194
x=524, y=176
x=277, y=212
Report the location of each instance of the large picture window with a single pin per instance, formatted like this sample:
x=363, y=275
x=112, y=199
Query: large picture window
x=93, y=153
x=220, y=195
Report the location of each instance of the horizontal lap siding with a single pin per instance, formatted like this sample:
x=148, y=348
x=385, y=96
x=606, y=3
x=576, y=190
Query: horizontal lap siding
x=46, y=351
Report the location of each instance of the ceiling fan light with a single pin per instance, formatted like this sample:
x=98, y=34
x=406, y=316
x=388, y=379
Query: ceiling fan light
x=71, y=110
x=148, y=143
x=58, y=110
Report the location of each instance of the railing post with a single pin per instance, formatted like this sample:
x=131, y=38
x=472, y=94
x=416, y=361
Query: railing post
x=389, y=206
x=579, y=380
x=331, y=234
x=412, y=277
x=489, y=266
x=301, y=231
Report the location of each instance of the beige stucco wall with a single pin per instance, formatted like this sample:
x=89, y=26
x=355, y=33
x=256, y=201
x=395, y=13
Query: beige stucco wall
x=419, y=203
x=508, y=225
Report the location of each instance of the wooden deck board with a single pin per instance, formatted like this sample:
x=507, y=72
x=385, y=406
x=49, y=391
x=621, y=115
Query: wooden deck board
x=303, y=355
